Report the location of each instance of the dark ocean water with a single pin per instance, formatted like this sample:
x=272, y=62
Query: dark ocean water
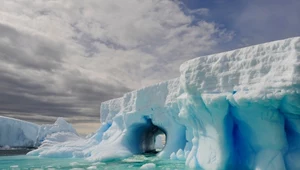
x=16, y=151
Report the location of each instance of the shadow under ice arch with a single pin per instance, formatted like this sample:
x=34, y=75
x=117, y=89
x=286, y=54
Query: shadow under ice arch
x=141, y=137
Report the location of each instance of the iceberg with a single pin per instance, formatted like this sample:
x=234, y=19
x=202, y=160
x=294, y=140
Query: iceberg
x=22, y=134
x=233, y=110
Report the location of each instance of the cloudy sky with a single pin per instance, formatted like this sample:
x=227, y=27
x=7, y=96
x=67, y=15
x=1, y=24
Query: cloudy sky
x=63, y=58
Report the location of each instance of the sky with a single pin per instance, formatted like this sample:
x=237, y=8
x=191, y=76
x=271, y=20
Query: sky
x=63, y=58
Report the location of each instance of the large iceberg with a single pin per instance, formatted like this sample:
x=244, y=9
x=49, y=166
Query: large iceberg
x=18, y=133
x=233, y=110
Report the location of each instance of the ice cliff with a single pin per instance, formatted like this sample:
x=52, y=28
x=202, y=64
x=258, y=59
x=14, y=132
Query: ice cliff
x=233, y=110
x=18, y=133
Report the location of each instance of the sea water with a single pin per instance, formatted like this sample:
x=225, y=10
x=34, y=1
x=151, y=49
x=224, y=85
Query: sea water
x=132, y=163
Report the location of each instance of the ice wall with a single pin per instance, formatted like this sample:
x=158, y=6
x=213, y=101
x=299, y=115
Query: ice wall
x=238, y=98
x=233, y=110
x=18, y=133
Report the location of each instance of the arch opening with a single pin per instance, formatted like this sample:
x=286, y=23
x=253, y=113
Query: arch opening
x=153, y=139
x=146, y=138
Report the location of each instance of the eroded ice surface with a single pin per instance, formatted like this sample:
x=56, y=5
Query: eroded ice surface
x=18, y=133
x=238, y=109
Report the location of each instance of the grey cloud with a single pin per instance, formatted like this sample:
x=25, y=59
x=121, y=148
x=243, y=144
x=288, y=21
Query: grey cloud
x=64, y=60
x=29, y=51
x=26, y=97
x=26, y=105
x=25, y=91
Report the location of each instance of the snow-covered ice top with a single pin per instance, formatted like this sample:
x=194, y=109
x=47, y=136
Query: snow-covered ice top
x=238, y=109
x=259, y=71
x=19, y=133
x=148, y=99
x=273, y=66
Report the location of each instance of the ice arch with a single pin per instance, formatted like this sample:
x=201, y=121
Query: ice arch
x=137, y=113
x=142, y=137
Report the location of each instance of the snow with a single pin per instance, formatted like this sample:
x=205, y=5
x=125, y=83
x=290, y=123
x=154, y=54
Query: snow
x=18, y=133
x=60, y=125
x=268, y=68
x=74, y=146
x=238, y=109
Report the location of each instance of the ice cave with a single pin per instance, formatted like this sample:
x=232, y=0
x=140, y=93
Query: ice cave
x=145, y=137
x=233, y=110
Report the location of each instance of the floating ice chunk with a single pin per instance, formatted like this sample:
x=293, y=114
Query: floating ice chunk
x=92, y=167
x=180, y=155
x=148, y=166
x=14, y=167
x=173, y=156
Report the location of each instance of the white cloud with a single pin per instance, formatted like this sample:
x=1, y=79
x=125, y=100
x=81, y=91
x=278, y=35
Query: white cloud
x=73, y=51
